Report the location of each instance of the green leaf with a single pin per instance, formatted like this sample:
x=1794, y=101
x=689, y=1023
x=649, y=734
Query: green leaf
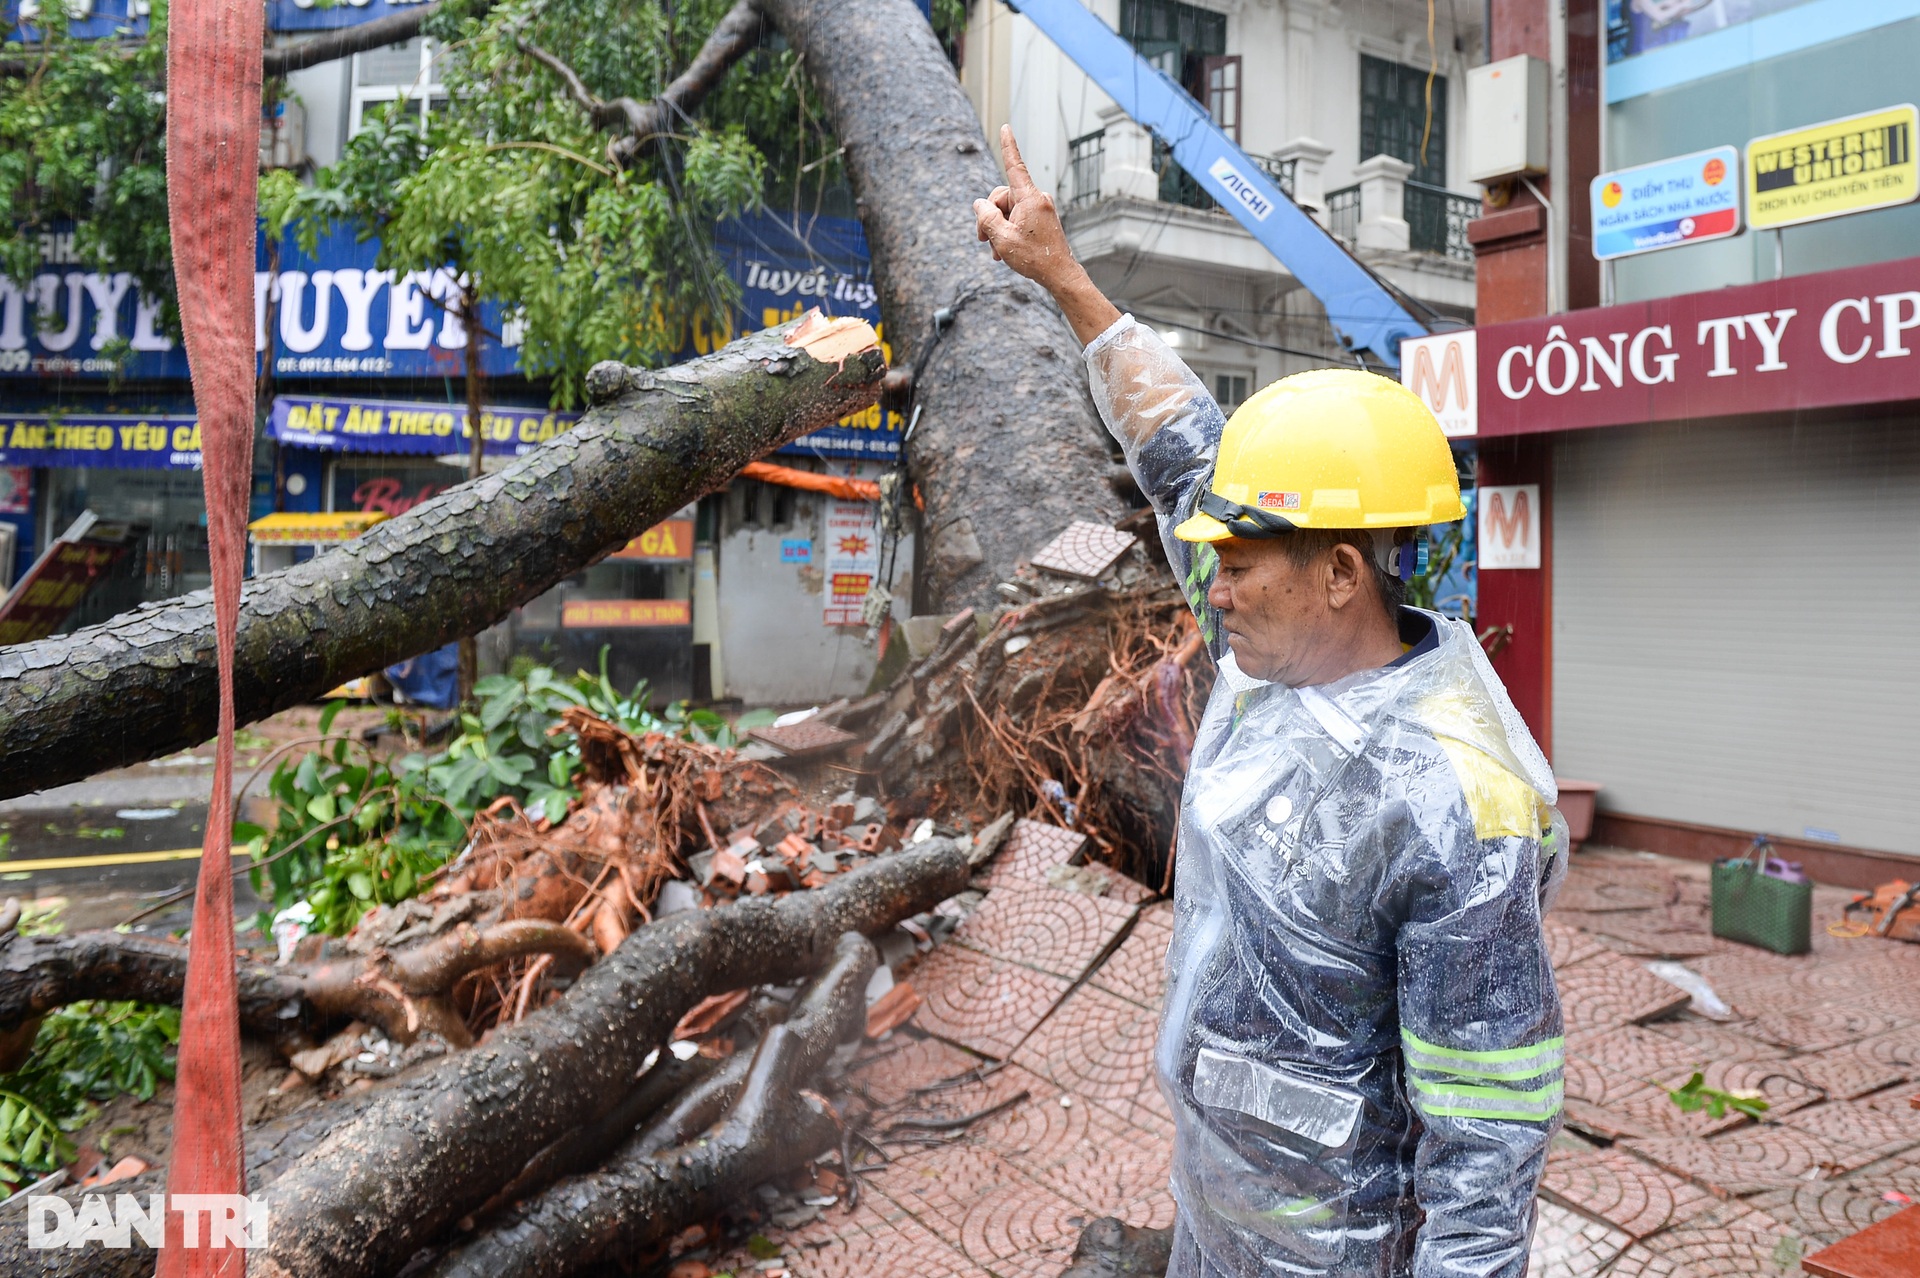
x=360, y=883
x=328, y=715
x=320, y=808
x=761, y=1247
x=307, y=776
x=494, y=686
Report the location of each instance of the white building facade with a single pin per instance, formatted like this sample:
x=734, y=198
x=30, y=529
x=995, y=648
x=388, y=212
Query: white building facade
x=1345, y=102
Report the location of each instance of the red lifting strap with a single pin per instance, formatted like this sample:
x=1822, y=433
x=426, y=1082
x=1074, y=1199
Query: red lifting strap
x=213, y=155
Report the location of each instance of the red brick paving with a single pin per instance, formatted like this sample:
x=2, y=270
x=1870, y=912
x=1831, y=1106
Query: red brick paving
x=1095, y=1045
x=1745, y=1160
x=1833, y=1039
x=1608, y=990
x=1031, y=848
x=981, y=1002
x=1826, y=1211
x=1051, y=929
x=1138, y=969
x=1731, y=1241
x=1626, y=1192
x=1863, y=1134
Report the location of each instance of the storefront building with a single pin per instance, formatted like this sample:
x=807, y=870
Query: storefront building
x=367, y=414
x=1700, y=501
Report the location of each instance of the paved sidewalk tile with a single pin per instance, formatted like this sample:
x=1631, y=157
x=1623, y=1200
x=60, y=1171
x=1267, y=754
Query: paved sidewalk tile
x=984, y=1003
x=1137, y=970
x=1732, y=1241
x=1567, y=944
x=1608, y=990
x=1746, y=1160
x=1568, y=1245
x=1095, y=1045
x=1032, y=847
x=1826, y=1211
x=1628, y=1193
x=1710, y=1041
x=1051, y=929
x=1863, y=1134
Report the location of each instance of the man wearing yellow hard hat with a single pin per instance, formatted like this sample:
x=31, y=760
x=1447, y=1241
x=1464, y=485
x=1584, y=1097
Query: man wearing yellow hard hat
x=1362, y=1042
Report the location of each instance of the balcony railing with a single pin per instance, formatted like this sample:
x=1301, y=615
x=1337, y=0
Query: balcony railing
x=1343, y=213
x=1281, y=171
x=1086, y=156
x=1437, y=221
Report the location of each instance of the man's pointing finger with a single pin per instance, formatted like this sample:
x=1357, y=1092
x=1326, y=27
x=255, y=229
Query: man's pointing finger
x=1017, y=175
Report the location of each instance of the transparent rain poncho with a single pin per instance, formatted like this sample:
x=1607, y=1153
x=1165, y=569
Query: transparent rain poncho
x=1362, y=1041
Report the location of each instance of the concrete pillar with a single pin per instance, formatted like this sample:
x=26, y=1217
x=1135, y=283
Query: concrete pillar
x=1127, y=163
x=1383, y=202
x=1309, y=182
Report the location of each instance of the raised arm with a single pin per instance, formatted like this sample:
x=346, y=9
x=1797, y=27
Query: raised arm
x=1167, y=424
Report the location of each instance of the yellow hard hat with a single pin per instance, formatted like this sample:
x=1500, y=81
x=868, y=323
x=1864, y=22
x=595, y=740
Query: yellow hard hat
x=1331, y=448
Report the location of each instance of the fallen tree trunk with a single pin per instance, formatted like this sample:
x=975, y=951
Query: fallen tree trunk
x=142, y=684
x=666, y=1176
x=438, y=1143
x=1009, y=449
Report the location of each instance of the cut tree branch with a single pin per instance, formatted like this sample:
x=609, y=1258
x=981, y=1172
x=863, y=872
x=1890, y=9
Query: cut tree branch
x=142, y=685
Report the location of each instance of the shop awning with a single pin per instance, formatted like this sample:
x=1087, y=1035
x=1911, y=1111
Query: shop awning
x=113, y=441
x=291, y=528
x=346, y=425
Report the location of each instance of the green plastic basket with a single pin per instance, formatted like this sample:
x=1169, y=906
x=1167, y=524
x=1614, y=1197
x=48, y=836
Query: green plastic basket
x=1758, y=909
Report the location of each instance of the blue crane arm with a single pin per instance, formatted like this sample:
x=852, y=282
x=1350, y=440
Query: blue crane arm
x=1363, y=312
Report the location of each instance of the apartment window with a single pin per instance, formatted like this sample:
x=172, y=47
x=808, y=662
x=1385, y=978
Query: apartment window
x=402, y=72
x=1393, y=117
x=1219, y=87
x=1159, y=28
x=1229, y=390
x=1189, y=44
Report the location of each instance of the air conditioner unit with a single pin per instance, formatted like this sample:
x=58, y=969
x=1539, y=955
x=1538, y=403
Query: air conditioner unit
x=283, y=135
x=1507, y=119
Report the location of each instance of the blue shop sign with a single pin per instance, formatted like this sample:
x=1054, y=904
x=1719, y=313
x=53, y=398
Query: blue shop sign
x=310, y=15
x=332, y=314
x=1685, y=200
x=106, y=441
x=86, y=19
x=394, y=427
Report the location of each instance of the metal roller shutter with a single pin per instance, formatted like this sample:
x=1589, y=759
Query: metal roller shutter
x=1737, y=625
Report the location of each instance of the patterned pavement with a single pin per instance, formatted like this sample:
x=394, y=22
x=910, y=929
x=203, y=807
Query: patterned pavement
x=1039, y=1024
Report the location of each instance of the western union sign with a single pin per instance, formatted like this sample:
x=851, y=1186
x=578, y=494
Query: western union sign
x=1843, y=166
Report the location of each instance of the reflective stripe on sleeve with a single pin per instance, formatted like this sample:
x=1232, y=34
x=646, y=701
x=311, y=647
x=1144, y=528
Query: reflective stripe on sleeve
x=1199, y=579
x=1458, y=1100
x=1513, y=1063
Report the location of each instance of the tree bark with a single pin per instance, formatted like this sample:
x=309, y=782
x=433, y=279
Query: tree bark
x=142, y=684
x=661, y=1178
x=437, y=1144
x=405, y=993
x=1009, y=449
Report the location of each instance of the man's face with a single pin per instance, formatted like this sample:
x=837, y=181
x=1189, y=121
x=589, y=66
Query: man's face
x=1274, y=610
